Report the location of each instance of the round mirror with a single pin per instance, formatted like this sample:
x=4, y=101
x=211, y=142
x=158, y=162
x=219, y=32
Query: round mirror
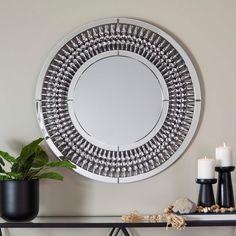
x=119, y=98
x=117, y=101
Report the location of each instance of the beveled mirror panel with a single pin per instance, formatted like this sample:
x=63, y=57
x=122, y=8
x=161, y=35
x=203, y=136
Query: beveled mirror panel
x=120, y=99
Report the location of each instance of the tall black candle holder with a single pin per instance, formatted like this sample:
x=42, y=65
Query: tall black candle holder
x=206, y=196
x=225, y=194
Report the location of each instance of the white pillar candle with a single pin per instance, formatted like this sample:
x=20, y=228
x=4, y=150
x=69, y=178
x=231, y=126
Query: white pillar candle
x=224, y=156
x=206, y=168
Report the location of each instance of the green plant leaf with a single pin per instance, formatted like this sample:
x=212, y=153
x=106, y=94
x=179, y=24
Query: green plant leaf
x=25, y=161
x=23, y=166
x=65, y=164
x=6, y=156
x=29, y=149
x=32, y=163
x=50, y=175
x=4, y=177
x=32, y=173
x=17, y=176
x=41, y=157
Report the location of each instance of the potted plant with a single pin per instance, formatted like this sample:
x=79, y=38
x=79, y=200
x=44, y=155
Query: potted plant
x=20, y=183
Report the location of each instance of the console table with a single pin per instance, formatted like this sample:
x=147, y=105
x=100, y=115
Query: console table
x=112, y=222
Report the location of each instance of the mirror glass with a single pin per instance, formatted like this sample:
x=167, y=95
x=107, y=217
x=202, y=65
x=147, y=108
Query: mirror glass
x=117, y=100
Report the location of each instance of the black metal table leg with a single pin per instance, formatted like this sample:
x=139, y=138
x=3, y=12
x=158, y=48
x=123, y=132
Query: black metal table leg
x=114, y=231
x=125, y=231
x=117, y=231
x=110, y=234
x=0, y=231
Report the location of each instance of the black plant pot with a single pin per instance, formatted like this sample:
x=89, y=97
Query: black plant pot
x=19, y=199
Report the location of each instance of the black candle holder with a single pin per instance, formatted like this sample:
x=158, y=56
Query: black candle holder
x=225, y=194
x=206, y=196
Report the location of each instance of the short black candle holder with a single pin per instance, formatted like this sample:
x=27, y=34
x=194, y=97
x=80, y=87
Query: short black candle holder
x=225, y=194
x=206, y=196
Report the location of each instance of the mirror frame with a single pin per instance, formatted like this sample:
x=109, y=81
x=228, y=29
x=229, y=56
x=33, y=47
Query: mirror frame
x=176, y=74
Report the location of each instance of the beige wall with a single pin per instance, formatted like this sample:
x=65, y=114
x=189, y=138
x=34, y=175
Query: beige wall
x=30, y=28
